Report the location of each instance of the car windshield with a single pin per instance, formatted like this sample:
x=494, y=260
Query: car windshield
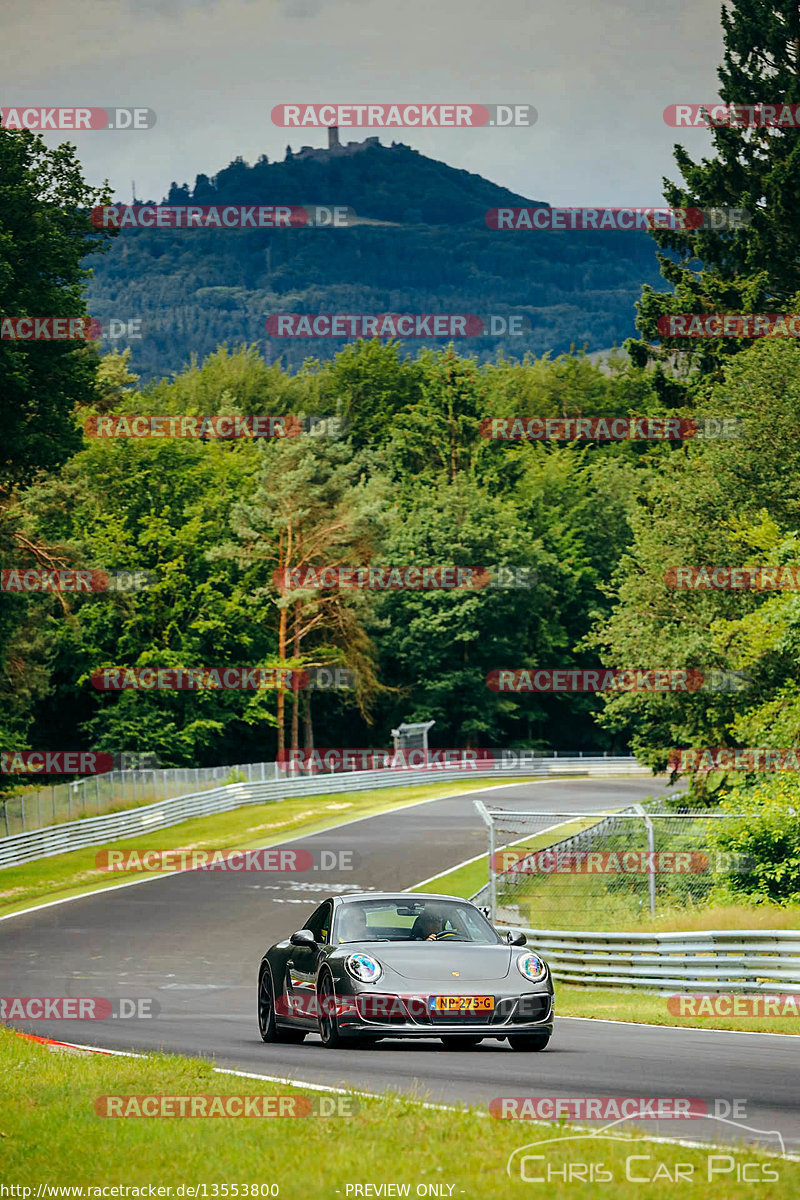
x=405, y=919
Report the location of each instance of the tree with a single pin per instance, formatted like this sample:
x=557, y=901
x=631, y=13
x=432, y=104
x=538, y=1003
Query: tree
x=756, y=268
x=313, y=507
x=373, y=384
x=45, y=235
x=715, y=503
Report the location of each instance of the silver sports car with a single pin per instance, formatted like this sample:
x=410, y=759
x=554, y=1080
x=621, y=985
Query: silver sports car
x=407, y=965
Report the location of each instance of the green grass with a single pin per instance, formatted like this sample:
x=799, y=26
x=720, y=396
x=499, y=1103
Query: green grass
x=618, y=1004
x=51, y=1134
x=250, y=827
x=576, y=901
x=470, y=878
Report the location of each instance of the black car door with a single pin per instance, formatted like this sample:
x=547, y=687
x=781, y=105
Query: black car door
x=302, y=966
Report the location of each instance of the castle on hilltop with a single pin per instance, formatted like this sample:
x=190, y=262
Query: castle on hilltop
x=336, y=147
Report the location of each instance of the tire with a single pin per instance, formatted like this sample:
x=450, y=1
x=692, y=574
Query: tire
x=529, y=1041
x=328, y=1022
x=267, y=1025
x=460, y=1043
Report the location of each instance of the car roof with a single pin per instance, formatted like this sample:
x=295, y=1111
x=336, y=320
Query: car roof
x=411, y=896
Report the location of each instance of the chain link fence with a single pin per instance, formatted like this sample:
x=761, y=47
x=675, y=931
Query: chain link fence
x=568, y=870
x=118, y=790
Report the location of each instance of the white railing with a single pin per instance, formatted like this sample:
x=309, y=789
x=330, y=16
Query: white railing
x=111, y=827
x=719, y=960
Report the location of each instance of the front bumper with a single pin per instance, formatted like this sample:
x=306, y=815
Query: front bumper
x=385, y=1015
x=416, y=1031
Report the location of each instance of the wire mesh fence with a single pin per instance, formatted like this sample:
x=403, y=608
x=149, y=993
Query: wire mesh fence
x=118, y=790
x=569, y=870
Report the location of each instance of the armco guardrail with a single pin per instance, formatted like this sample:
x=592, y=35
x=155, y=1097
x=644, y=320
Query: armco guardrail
x=111, y=827
x=720, y=960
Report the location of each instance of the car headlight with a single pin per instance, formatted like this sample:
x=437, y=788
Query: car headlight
x=363, y=967
x=531, y=967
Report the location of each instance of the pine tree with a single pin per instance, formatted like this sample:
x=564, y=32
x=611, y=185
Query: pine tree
x=755, y=268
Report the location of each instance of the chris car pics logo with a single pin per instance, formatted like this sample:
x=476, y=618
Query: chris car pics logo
x=610, y=1155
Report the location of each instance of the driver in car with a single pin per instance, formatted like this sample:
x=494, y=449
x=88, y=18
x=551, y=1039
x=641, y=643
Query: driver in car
x=427, y=925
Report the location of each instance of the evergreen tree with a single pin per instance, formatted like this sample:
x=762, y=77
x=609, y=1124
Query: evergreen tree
x=755, y=268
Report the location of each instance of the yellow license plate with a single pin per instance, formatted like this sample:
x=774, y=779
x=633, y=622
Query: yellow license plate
x=462, y=1004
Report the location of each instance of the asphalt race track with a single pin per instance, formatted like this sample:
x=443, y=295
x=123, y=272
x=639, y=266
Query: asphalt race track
x=193, y=942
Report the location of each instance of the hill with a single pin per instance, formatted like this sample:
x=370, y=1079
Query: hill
x=196, y=288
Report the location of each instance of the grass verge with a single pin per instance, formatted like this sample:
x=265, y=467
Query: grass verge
x=250, y=827
x=621, y=1005
x=618, y=1004
x=52, y=1135
x=470, y=878
x=582, y=909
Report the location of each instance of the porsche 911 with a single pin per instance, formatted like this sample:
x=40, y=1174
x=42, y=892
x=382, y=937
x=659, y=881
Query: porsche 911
x=404, y=965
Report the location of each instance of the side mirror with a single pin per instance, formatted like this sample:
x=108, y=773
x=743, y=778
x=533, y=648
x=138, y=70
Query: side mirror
x=515, y=937
x=304, y=937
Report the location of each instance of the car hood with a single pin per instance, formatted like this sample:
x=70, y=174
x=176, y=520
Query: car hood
x=426, y=961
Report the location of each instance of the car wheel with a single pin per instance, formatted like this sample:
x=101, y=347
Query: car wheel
x=328, y=1023
x=460, y=1043
x=528, y=1041
x=267, y=1025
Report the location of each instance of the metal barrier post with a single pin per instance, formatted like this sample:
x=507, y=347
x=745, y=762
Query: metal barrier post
x=651, y=849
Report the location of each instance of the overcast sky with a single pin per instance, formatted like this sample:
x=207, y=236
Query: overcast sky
x=599, y=73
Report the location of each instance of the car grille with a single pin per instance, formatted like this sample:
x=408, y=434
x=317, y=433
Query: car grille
x=533, y=1007
x=383, y=1009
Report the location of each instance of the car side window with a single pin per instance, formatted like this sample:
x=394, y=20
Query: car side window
x=320, y=922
